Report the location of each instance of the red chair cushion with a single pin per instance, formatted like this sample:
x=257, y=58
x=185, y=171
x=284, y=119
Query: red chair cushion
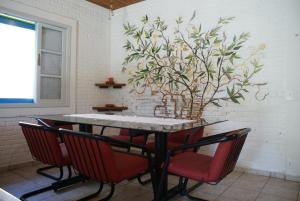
x=136, y=140
x=44, y=145
x=124, y=131
x=130, y=165
x=206, y=168
x=178, y=137
x=192, y=165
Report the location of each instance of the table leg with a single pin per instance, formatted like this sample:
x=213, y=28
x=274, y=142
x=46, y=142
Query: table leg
x=161, y=143
x=86, y=128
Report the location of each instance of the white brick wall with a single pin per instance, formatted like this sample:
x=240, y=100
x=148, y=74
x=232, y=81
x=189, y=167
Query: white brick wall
x=273, y=144
x=92, y=66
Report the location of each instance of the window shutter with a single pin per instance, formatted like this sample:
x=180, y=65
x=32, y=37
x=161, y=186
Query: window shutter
x=51, y=64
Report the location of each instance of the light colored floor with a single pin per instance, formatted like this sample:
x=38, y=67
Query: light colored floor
x=235, y=187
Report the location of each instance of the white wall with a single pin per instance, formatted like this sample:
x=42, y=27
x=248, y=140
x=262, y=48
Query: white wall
x=273, y=145
x=92, y=65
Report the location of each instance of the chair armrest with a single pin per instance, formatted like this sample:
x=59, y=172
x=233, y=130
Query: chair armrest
x=109, y=140
x=40, y=121
x=123, y=143
x=106, y=139
x=51, y=128
x=209, y=140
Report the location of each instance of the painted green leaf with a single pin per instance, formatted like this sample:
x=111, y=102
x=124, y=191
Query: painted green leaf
x=193, y=16
x=216, y=104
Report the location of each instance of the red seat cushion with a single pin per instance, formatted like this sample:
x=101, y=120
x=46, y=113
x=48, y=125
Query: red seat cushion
x=191, y=165
x=136, y=140
x=130, y=165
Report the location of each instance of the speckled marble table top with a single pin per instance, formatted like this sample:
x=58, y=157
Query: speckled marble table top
x=164, y=125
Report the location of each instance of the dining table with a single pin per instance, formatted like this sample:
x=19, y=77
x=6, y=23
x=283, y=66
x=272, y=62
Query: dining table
x=160, y=127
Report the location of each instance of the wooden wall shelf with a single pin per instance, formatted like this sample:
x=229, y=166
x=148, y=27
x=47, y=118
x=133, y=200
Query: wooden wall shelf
x=114, y=85
x=115, y=108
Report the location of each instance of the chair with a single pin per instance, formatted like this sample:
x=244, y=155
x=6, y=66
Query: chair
x=134, y=138
x=204, y=168
x=45, y=147
x=47, y=122
x=93, y=157
x=57, y=125
x=176, y=139
x=180, y=138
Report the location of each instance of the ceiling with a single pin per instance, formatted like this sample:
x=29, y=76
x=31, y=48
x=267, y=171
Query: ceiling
x=114, y=4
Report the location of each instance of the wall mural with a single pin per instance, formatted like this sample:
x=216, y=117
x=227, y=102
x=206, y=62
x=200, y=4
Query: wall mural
x=190, y=68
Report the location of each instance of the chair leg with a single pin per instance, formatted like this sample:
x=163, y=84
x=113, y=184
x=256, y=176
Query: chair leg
x=61, y=172
x=59, y=185
x=69, y=171
x=182, y=188
x=112, y=190
x=194, y=198
x=139, y=178
x=92, y=195
x=36, y=192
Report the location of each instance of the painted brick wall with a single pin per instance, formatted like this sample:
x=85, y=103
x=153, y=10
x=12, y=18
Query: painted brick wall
x=274, y=141
x=92, y=66
x=272, y=147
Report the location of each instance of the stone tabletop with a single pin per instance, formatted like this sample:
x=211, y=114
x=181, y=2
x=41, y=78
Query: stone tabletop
x=164, y=125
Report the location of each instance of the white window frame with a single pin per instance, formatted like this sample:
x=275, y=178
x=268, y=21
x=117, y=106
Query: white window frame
x=64, y=67
x=67, y=103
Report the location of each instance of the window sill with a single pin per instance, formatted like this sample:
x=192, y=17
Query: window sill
x=28, y=111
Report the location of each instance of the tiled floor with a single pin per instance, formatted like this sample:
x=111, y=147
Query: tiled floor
x=235, y=187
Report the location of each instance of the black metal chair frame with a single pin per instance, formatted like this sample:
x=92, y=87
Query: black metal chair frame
x=131, y=136
x=40, y=171
x=113, y=142
x=148, y=180
x=181, y=188
x=139, y=177
x=59, y=184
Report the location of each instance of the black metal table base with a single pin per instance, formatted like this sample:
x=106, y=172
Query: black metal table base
x=161, y=143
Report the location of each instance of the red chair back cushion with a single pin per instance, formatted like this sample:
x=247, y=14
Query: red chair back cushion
x=43, y=144
x=196, y=135
x=93, y=158
x=124, y=132
x=226, y=157
x=192, y=136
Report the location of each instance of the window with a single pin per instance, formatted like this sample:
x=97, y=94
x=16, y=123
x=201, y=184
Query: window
x=17, y=63
x=33, y=68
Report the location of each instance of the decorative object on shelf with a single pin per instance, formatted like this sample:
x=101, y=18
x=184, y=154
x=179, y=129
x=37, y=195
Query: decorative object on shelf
x=110, y=80
x=193, y=68
x=110, y=107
